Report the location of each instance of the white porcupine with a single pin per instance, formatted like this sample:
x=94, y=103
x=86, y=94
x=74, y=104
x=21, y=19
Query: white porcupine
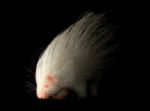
x=71, y=59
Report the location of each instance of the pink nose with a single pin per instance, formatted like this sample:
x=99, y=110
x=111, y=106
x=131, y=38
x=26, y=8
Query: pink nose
x=42, y=95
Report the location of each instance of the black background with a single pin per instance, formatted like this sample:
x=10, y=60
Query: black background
x=36, y=23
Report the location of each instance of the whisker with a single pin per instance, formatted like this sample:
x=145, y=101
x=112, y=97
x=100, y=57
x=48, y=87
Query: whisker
x=29, y=88
x=30, y=91
x=29, y=70
x=32, y=80
x=30, y=84
x=29, y=76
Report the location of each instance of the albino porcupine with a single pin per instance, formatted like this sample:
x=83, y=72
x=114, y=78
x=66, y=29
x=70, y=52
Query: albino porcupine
x=73, y=57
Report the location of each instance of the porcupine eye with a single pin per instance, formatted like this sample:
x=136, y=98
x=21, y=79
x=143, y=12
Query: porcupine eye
x=50, y=81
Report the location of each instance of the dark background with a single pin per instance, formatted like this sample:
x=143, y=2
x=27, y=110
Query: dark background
x=37, y=23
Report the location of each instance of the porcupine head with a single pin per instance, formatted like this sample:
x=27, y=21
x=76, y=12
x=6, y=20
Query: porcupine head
x=69, y=60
